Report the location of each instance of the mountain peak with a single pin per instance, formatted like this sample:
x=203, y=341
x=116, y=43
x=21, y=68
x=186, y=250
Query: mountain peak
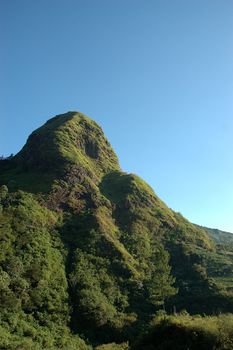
x=66, y=140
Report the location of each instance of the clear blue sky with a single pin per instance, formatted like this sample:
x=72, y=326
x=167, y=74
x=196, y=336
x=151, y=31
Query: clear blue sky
x=157, y=75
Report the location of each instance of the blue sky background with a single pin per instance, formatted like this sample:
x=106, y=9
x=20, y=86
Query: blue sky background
x=157, y=75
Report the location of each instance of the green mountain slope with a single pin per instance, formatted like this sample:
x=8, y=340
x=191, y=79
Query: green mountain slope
x=219, y=237
x=88, y=251
x=221, y=266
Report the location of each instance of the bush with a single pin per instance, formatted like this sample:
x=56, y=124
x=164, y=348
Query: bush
x=188, y=332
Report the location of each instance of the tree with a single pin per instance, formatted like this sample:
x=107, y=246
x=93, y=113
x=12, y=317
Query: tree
x=160, y=286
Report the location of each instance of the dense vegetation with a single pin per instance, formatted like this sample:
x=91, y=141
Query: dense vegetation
x=183, y=332
x=89, y=253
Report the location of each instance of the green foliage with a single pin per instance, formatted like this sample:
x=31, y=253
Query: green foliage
x=3, y=192
x=160, y=285
x=188, y=332
x=22, y=332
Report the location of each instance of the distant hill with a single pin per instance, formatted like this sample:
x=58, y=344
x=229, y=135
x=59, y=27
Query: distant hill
x=218, y=236
x=89, y=251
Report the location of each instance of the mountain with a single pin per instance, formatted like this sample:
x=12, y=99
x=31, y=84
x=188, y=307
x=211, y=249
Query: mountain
x=218, y=236
x=89, y=253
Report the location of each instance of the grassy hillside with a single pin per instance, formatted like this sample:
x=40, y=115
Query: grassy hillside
x=88, y=251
